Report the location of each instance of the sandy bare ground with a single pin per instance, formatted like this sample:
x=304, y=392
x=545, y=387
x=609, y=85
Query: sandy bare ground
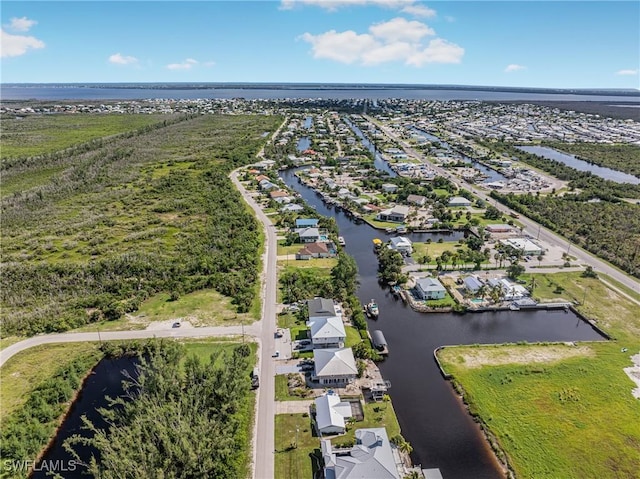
x=634, y=373
x=493, y=356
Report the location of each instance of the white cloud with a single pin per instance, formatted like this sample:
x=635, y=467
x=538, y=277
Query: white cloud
x=333, y=5
x=399, y=29
x=419, y=10
x=16, y=45
x=514, y=67
x=21, y=24
x=627, y=72
x=344, y=47
x=437, y=51
x=396, y=40
x=119, y=59
x=185, y=65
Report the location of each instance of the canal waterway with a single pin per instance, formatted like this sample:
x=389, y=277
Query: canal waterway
x=303, y=143
x=581, y=165
x=105, y=379
x=431, y=415
x=378, y=161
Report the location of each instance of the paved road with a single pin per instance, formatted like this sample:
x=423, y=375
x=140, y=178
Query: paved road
x=264, y=433
x=8, y=352
x=532, y=228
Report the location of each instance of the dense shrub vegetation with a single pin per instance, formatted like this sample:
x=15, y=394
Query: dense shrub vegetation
x=188, y=418
x=148, y=212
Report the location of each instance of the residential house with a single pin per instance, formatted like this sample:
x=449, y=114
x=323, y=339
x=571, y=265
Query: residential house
x=331, y=414
x=280, y=196
x=459, y=201
x=371, y=457
x=308, y=235
x=307, y=223
x=389, y=188
x=321, y=308
x=430, y=288
x=401, y=244
x=266, y=185
x=397, y=214
x=334, y=367
x=291, y=207
x=327, y=332
x=260, y=178
x=317, y=250
x=473, y=284
x=417, y=200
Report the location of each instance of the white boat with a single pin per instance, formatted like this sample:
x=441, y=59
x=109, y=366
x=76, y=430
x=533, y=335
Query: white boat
x=341, y=241
x=372, y=309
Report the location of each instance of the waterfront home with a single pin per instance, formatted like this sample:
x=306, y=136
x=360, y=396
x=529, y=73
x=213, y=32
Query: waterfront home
x=459, y=201
x=321, y=308
x=334, y=366
x=327, y=332
x=430, y=288
x=371, y=457
x=316, y=250
x=308, y=235
x=389, y=188
x=397, y=214
x=417, y=200
x=307, y=223
x=331, y=414
x=293, y=208
x=472, y=284
x=401, y=244
x=280, y=196
x=267, y=185
x=261, y=178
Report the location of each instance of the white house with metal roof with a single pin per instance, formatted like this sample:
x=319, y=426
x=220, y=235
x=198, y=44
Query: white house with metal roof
x=370, y=458
x=327, y=332
x=401, y=244
x=334, y=366
x=332, y=413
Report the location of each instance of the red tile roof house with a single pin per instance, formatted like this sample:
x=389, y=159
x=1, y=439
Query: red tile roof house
x=316, y=250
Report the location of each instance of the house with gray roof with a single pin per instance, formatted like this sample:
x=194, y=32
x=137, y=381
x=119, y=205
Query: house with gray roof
x=430, y=288
x=321, y=308
x=331, y=414
x=308, y=235
x=327, y=332
x=397, y=214
x=370, y=458
x=334, y=366
x=402, y=244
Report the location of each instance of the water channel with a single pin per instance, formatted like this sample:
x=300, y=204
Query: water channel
x=431, y=416
x=105, y=379
x=581, y=165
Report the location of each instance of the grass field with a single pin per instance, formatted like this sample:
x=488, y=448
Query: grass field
x=206, y=307
x=36, y=134
x=560, y=411
x=27, y=369
x=294, y=462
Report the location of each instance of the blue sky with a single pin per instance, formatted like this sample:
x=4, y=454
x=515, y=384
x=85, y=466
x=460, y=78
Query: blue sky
x=574, y=44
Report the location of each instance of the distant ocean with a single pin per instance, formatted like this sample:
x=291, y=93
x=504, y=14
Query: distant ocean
x=57, y=92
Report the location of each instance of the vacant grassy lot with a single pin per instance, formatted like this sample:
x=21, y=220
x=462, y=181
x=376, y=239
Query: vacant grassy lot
x=560, y=411
x=206, y=307
x=129, y=218
x=294, y=461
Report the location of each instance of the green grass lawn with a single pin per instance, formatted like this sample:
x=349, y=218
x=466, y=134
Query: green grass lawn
x=294, y=462
x=291, y=249
x=27, y=369
x=371, y=219
x=560, y=416
x=282, y=390
x=319, y=263
x=434, y=250
x=441, y=303
x=379, y=414
x=574, y=418
x=353, y=336
x=204, y=307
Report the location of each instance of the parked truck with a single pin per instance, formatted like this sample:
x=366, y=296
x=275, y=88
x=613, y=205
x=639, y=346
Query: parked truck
x=255, y=378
